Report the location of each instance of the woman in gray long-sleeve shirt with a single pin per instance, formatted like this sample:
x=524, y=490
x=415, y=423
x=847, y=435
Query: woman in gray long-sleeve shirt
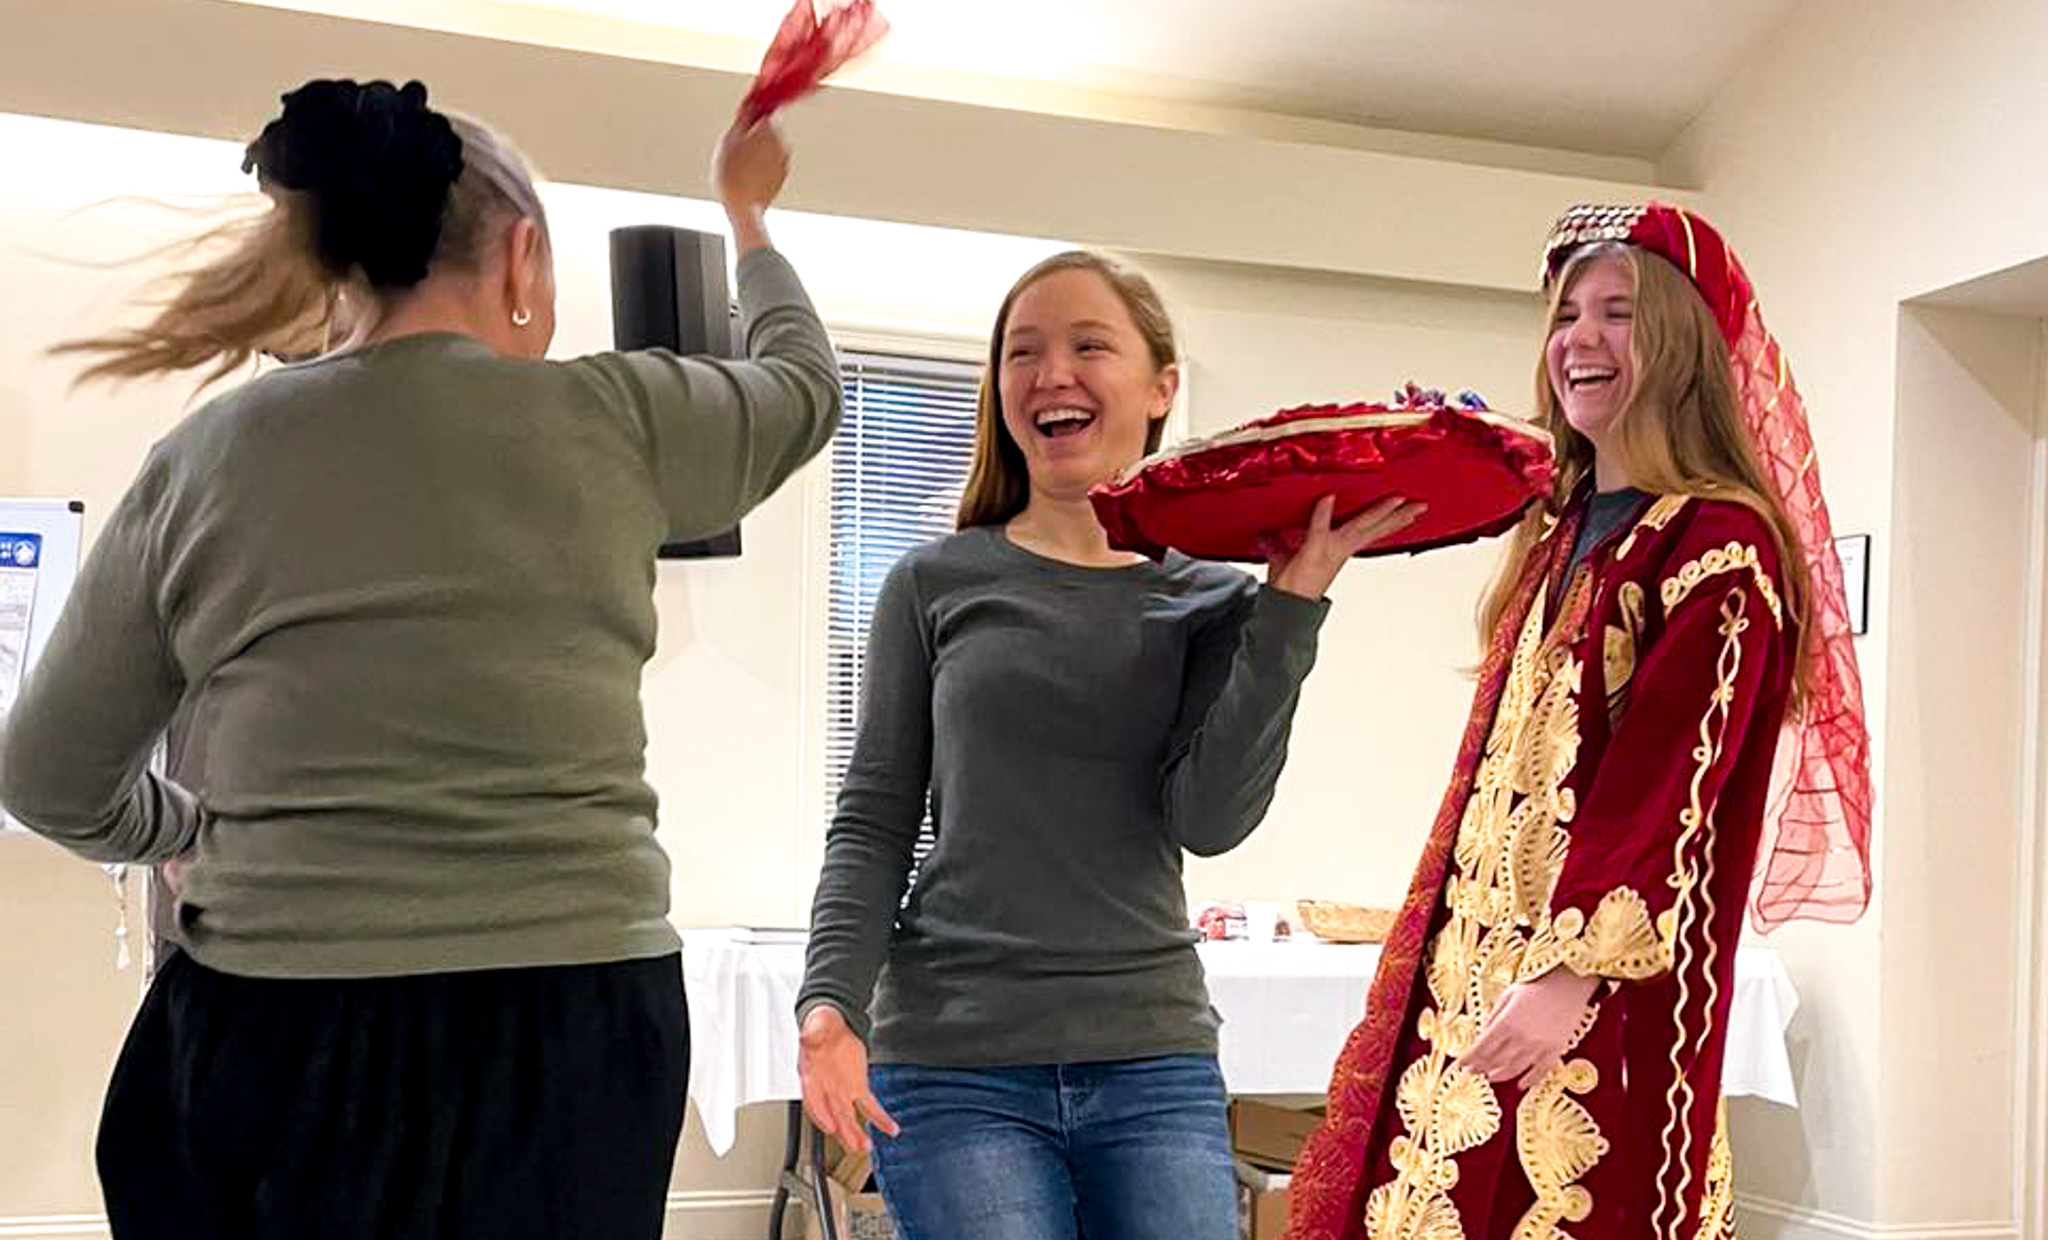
x=1043, y=1050
x=401, y=597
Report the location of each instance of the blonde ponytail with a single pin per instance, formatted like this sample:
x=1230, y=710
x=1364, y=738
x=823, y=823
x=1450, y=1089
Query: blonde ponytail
x=262, y=290
x=367, y=192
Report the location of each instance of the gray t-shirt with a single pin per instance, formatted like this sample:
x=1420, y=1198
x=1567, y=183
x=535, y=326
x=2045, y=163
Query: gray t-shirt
x=403, y=596
x=1077, y=729
x=1607, y=512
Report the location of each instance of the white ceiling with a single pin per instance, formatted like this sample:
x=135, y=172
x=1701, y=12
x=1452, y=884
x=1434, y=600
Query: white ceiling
x=1614, y=79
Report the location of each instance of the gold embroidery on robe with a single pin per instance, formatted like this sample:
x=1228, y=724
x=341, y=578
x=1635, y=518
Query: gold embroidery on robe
x=1695, y=949
x=1557, y=1143
x=1717, y=1203
x=1630, y=596
x=1618, y=665
x=1618, y=653
x=1731, y=558
x=1510, y=847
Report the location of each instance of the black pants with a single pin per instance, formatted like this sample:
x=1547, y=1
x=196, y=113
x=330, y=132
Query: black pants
x=514, y=1104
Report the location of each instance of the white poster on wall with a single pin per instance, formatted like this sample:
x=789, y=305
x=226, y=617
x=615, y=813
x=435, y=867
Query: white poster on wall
x=20, y=569
x=40, y=545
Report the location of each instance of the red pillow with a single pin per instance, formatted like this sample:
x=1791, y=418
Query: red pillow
x=1228, y=496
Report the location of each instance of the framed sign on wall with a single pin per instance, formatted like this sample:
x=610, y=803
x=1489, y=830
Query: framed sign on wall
x=1854, y=551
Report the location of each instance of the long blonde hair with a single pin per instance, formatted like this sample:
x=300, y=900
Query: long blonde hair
x=1679, y=432
x=260, y=284
x=999, y=483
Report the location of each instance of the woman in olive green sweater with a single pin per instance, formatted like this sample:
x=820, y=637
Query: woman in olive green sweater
x=403, y=591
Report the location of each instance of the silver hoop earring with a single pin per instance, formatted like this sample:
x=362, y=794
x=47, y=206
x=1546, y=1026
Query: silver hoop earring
x=521, y=317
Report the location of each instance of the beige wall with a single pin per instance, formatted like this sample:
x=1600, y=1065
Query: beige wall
x=1968, y=442
x=1874, y=151
x=67, y=1009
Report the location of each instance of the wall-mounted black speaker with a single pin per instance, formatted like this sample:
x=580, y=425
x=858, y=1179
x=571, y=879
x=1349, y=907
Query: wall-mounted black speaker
x=669, y=292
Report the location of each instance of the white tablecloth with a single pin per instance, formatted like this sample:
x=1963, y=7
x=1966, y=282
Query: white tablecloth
x=1287, y=1008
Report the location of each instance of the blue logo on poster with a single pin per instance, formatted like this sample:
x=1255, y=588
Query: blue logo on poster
x=21, y=550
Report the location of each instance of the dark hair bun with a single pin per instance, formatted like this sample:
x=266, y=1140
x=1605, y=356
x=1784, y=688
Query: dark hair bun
x=378, y=165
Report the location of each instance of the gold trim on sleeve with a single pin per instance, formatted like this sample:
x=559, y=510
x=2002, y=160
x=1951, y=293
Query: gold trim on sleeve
x=1731, y=558
x=1620, y=941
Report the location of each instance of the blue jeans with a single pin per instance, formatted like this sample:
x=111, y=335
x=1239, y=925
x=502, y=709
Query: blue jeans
x=1133, y=1150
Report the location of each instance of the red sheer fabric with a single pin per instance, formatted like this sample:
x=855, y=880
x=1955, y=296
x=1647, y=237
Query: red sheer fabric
x=807, y=50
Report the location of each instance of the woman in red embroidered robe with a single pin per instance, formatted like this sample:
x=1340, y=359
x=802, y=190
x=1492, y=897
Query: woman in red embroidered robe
x=1542, y=1050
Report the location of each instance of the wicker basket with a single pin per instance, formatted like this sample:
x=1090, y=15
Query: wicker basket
x=1345, y=923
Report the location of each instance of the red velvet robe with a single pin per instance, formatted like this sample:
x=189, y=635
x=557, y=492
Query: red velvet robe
x=1604, y=817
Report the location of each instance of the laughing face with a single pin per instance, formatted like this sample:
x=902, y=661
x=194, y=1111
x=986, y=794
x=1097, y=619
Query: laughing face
x=1078, y=384
x=1588, y=357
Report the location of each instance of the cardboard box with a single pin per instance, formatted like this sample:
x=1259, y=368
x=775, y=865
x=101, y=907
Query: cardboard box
x=857, y=1207
x=858, y=1216
x=1270, y=1136
x=853, y=1170
x=1261, y=1203
x=866, y=1217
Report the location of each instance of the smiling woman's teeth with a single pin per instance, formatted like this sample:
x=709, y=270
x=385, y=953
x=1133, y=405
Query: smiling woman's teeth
x=1063, y=421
